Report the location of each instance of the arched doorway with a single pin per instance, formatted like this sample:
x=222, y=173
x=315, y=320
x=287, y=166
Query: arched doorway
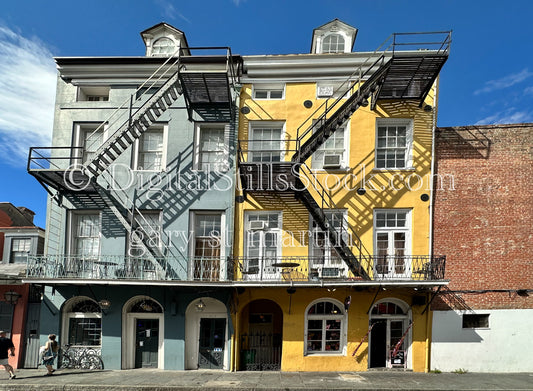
x=389, y=319
x=142, y=333
x=206, y=335
x=260, y=338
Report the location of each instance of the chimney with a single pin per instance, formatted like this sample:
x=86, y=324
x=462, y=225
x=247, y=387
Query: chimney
x=28, y=214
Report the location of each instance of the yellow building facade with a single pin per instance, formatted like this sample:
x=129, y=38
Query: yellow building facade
x=332, y=248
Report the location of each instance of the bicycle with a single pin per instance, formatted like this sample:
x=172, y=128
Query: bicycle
x=84, y=358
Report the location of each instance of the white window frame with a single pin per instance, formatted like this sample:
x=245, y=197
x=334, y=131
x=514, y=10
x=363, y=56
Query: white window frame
x=27, y=240
x=318, y=164
x=408, y=159
x=156, y=49
x=328, y=262
x=79, y=315
x=219, y=167
x=73, y=225
x=253, y=126
x=407, y=229
x=331, y=33
x=137, y=148
x=141, y=215
x=344, y=327
x=264, y=271
x=80, y=129
x=192, y=244
x=269, y=88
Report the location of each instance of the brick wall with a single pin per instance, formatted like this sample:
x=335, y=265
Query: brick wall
x=484, y=224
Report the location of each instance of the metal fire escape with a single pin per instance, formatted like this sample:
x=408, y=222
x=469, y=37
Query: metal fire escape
x=64, y=170
x=391, y=73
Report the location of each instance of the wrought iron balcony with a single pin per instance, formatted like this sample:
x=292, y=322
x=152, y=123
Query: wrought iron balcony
x=238, y=269
x=68, y=267
x=302, y=269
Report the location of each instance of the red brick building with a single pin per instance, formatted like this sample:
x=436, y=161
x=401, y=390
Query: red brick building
x=483, y=209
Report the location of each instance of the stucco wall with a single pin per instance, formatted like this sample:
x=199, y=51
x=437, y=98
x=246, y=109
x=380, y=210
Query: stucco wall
x=505, y=346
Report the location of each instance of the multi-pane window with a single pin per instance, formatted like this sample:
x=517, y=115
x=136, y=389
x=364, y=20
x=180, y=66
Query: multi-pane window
x=150, y=150
x=163, y=46
x=263, y=244
x=265, y=144
x=391, y=243
x=393, y=143
x=268, y=92
x=20, y=247
x=86, y=234
x=325, y=328
x=84, y=324
x=332, y=153
x=333, y=43
x=207, y=246
x=146, y=233
x=212, y=148
x=322, y=251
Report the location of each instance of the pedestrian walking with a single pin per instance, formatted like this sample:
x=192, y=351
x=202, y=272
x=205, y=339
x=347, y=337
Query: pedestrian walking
x=50, y=353
x=6, y=349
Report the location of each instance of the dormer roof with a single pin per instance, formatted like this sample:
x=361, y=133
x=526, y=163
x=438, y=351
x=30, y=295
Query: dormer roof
x=335, y=27
x=170, y=40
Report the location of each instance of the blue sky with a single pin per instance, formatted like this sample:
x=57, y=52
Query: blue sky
x=487, y=80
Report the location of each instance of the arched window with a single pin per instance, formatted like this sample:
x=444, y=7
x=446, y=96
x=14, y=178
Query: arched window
x=163, y=46
x=387, y=308
x=325, y=327
x=83, y=322
x=333, y=43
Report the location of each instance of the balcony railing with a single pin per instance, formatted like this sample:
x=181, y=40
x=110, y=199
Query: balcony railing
x=237, y=269
x=379, y=268
x=126, y=268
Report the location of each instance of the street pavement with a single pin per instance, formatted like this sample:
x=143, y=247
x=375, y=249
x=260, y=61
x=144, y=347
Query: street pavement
x=163, y=380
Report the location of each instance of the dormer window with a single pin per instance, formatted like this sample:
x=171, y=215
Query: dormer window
x=164, y=40
x=333, y=43
x=163, y=47
x=333, y=37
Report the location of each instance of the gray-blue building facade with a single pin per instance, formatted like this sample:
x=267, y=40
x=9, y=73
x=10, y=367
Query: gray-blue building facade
x=141, y=181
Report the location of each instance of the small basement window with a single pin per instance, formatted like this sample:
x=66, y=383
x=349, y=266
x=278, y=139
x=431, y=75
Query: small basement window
x=475, y=321
x=93, y=94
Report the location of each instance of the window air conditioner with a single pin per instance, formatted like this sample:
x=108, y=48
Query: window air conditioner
x=257, y=225
x=329, y=272
x=332, y=161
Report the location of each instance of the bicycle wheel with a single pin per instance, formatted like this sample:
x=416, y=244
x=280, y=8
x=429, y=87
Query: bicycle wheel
x=91, y=362
x=65, y=362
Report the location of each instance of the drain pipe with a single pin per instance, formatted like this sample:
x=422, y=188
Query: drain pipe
x=431, y=203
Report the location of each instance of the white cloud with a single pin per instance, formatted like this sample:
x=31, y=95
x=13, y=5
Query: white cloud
x=28, y=83
x=528, y=91
x=504, y=82
x=238, y=2
x=169, y=11
x=509, y=116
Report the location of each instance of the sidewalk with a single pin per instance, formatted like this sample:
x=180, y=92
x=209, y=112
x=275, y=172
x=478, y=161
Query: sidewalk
x=159, y=380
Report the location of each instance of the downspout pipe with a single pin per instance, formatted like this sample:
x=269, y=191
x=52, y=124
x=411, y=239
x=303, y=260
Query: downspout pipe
x=431, y=204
